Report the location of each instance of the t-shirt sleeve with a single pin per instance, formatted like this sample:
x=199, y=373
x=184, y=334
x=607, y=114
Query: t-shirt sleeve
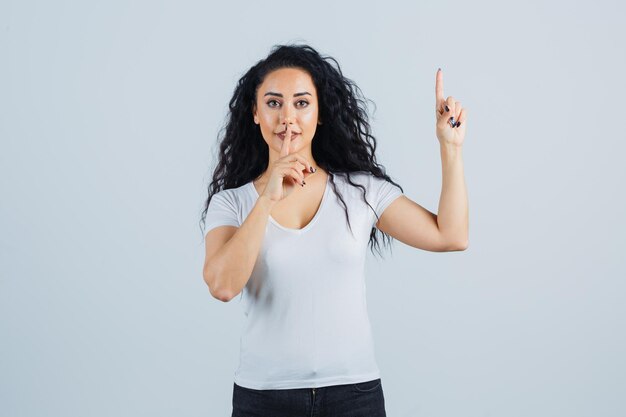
x=222, y=211
x=383, y=194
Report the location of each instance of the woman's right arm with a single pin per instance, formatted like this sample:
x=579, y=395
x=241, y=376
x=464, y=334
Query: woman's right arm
x=232, y=252
x=230, y=257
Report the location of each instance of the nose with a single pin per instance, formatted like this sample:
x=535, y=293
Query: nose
x=287, y=115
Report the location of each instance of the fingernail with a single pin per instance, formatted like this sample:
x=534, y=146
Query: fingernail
x=452, y=121
x=303, y=183
x=312, y=169
x=458, y=124
x=447, y=108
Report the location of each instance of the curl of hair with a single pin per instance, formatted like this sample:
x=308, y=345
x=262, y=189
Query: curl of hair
x=342, y=144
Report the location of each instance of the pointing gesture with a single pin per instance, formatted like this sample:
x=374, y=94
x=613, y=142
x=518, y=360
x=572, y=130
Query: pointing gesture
x=451, y=117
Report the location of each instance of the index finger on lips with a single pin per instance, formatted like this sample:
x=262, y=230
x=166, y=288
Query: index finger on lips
x=284, y=151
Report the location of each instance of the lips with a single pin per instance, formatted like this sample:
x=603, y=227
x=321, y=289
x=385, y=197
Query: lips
x=282, y=135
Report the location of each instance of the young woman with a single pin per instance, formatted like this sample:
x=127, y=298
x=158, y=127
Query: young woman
x=296, y=197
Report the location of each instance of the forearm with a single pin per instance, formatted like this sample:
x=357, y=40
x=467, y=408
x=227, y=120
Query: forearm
x=232, y=265
x=453, y=213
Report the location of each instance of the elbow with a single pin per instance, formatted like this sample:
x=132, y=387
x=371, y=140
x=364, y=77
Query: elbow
x=221, y=295
x=217, y=291
x=460, y=246
x=457, y=246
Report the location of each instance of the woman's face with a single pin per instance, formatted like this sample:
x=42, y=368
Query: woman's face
x=287, y=95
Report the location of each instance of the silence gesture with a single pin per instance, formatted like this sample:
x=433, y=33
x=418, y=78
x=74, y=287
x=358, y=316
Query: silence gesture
x=451, y=117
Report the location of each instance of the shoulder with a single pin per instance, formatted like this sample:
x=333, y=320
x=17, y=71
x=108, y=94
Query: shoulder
x=235, y=197
x=235, y=191
x=359, y=177
x=228, y=207
x=368, y=180
x=363, y=184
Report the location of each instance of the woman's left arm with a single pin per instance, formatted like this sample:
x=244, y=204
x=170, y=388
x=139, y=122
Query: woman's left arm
x=448, y=230
x=453, y=216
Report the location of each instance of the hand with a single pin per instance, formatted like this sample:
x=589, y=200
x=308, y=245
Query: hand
x=446, y=133
x=287, y=172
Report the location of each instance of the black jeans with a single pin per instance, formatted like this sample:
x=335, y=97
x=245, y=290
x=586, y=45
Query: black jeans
x=364, y=399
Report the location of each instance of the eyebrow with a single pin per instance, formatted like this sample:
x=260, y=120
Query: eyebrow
x=271, y=93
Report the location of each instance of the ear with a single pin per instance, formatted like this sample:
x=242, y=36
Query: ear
x=256, y=120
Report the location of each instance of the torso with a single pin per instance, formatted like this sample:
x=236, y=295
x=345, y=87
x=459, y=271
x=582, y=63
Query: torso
x=299, y=208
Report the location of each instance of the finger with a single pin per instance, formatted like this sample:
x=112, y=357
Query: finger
x=462, y=118
x=457, y=110
x=450, y=111
x=446, y=107
x=284, y=151
x=308, y=167
x=297, y=176
x=447, y=118
x=439, y=89
x=301, y=167
x=304, y=167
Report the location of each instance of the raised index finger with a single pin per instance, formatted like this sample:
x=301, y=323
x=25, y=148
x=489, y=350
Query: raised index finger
x=439, y=86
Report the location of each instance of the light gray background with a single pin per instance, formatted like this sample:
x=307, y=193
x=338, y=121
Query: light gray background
x=109, y=113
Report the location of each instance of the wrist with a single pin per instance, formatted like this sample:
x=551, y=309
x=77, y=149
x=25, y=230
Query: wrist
x=450, y=148
x=265, y=201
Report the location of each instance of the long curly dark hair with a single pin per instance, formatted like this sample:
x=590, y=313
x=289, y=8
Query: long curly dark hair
x=342, y=143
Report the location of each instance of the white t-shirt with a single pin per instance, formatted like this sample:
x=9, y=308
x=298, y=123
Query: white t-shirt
x=305, y=303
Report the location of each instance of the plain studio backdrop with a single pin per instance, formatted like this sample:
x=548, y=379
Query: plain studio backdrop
x=109, y=114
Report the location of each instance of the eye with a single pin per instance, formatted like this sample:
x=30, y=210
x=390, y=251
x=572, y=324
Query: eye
x=271, y=101
x=303, y=101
